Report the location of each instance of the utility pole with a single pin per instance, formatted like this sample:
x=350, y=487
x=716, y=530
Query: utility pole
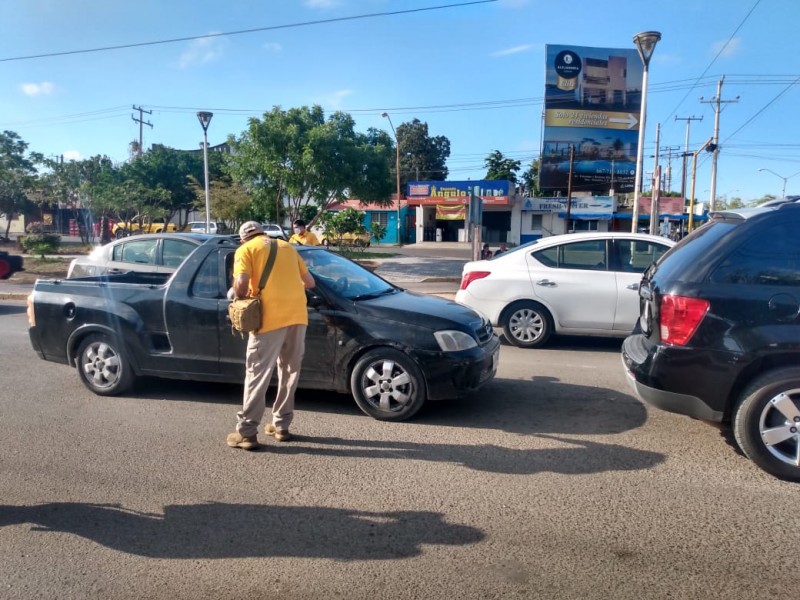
x=569, y=187
x=141, y=122
x=716, y=101
x=655, y=187
x=686, y=152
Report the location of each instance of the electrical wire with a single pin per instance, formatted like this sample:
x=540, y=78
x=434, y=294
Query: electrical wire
x=246, y=31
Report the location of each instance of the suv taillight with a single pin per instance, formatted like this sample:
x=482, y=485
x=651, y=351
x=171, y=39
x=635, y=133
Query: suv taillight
x=471, y=276
x=680, y=317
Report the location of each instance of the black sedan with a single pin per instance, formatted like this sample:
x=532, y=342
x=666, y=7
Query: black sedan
x=9, y=264
x=391, y=349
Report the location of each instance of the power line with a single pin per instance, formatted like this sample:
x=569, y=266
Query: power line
x=721, y=50
x=245, y=31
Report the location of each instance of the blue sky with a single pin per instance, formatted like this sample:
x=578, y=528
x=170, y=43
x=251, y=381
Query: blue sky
x=474, y=73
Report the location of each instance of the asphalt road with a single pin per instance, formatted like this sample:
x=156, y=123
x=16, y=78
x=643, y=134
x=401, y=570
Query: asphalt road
x=551, y=482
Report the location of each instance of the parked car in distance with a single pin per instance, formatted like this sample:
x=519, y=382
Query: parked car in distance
x=573, y=284
x=151, y=253
x=719, y=332
x=9, y=264
x=362, y=240
x=122, y=229
x=215, y=228
x=276, y=231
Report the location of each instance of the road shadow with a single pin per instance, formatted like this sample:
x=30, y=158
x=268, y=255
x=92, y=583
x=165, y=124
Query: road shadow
x=217, y=530
x=572, y=457
x=7, y=308
x=575, y=343
x=539, y=405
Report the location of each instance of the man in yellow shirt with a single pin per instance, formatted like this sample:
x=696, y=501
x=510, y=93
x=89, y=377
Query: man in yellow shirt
x=302, y=236
x=280, y=339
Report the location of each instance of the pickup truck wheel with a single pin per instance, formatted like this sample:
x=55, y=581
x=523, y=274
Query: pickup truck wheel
x=119, y=234
x=527, y=324
x=766, y=422
x=102, y=367
x=387, y=385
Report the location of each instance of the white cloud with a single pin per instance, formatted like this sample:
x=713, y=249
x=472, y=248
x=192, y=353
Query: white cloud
x=334, y=100
x=732, y=48
x=514, y=50
x=201, y=51
x=72, y=155
x=273, y=47
x=38, y=89
x=320, y=3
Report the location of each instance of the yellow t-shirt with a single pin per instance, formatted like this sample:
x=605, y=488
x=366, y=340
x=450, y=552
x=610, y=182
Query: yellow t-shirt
x=283, y=299
x=304, y=239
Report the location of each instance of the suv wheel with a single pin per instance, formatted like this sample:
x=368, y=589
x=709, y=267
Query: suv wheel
x=766, y=422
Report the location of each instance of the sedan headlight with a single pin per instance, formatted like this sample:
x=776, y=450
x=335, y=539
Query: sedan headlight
x=452, y=341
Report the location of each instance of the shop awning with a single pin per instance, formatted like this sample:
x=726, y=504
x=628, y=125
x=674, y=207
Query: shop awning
x=586, y=216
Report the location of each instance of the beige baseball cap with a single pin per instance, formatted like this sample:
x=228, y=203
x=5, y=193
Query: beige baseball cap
x=250, y=229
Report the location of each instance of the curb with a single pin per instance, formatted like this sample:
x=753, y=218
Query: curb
x=440, y=279
x=13, y=296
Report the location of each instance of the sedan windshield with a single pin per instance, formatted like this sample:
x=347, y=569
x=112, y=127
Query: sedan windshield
x=345, y=277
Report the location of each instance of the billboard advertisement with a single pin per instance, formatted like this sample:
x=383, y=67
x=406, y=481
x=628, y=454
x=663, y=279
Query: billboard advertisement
x=592, y=104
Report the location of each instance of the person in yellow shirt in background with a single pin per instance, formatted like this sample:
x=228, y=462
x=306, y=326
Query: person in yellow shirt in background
x=280, y=339
x=302, y=236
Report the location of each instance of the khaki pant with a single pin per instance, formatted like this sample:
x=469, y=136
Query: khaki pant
x=285, y=347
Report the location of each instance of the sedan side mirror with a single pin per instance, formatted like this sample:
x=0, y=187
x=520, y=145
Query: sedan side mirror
x=314, y=299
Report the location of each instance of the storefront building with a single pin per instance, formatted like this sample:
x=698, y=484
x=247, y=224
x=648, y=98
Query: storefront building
x=443, y=208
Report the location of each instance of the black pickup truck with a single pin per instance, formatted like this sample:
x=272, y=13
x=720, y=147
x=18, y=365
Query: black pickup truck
x=390, y=348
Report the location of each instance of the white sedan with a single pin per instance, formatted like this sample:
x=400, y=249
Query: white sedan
x=578, y=284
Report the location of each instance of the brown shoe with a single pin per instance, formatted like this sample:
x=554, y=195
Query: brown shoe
x=237, y=440
x=281, y=435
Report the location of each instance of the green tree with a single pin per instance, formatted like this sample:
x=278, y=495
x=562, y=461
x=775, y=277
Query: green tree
x=229, y=201
x=296, y=158
x=422, y=157
x=530, y=179
x=337, y=224
x=499, y=167
x=17, y=177
x=169, y=173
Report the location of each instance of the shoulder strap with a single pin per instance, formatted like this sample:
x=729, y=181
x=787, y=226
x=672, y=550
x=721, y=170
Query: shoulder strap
x=273, y=252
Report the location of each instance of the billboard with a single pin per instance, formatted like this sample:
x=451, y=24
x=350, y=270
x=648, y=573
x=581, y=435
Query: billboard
x=592, y=104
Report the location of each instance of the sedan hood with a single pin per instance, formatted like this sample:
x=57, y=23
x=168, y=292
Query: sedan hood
x=424, y=310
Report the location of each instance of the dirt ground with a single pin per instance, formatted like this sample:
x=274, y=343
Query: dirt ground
x=35, y=267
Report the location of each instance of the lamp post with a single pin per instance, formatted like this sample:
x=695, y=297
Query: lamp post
x=205, y=119
x=785, y=179
x=645, y=44
x=397, y=172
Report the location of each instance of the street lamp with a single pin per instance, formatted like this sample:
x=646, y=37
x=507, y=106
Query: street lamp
x=645, y=44
x=783, y=191
x=205, y=119
x=397, y=171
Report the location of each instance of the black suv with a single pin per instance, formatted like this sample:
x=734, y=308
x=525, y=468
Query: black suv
x=718, y=336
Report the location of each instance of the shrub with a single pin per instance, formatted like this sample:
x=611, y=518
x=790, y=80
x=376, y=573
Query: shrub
x=40, y=243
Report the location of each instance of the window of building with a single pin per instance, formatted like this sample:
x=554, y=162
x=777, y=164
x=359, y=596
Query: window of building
x=583, y=225
x=381, y=218
x=536, y=222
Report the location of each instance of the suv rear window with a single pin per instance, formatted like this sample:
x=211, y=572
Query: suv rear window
x=770, y=258
x=703, y=240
